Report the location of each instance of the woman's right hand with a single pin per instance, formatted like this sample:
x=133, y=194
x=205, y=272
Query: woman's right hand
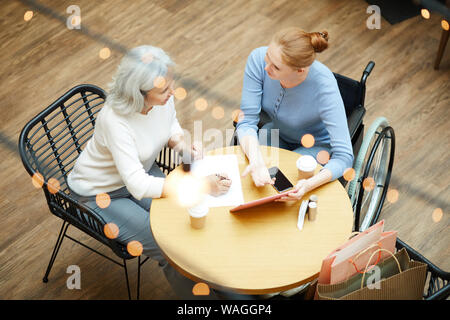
x=260, y=174
x=218, y=184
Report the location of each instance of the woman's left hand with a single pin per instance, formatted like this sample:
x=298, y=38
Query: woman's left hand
x=297, y=192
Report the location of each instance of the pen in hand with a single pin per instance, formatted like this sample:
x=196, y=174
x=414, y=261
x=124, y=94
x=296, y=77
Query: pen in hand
x=219, y=184
x=223, y=179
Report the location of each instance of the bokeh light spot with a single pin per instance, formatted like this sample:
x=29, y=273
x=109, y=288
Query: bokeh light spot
x=425, y=13
x=53, y=185
x=369, y=184
x=392, y=195
x=200, y=289
x=147, y=58
x=445, y=25
x=76, y=21
x=28, y=15
x=437, y=214
x=103, y=200
x=37, y=180
x=307, y=140
x=111, y=230
x=104, y=53
x=134, y=248
x=188, y=189
x=349, y=174
x=237, y=115
x=218, y=113
x=159, y=82
x=323, y=157
x=180, y=93
x=201, y=104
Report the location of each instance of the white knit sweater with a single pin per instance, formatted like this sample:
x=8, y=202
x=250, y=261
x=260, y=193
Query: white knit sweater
x=122, y=150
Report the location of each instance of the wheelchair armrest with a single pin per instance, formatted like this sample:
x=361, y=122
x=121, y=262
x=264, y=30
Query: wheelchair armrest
x=355, y=119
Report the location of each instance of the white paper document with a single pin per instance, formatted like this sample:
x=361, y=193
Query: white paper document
x=221, y=164
x=301, y=214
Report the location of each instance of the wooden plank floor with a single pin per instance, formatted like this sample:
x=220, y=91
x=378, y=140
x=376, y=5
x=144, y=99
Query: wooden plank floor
x=210, y=41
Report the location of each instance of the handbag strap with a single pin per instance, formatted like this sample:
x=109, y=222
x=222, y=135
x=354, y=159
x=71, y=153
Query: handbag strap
x=378, y=244
x=379, y=250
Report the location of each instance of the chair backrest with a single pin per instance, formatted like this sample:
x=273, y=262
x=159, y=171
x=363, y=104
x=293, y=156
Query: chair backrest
x=351, y=93
x=51, y=142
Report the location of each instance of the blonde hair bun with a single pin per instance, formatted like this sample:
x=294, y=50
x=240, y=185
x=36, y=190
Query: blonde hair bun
x=299, y=48
x=319, y=40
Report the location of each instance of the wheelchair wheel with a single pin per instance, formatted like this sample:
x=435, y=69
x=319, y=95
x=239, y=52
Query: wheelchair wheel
x=373, y=167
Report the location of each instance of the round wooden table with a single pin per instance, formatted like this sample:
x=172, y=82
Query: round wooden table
x=259, y=250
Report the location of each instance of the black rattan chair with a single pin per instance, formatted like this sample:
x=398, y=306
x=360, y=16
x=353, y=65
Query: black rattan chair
x=50, y=144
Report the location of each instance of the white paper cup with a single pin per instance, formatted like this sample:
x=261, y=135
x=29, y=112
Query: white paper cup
x=306, y=166
x=312, y=210
x=198, y=216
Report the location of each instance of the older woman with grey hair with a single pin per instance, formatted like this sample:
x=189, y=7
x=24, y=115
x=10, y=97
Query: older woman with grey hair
x=136, y=122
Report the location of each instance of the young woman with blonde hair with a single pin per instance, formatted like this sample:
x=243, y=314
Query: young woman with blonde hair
x=301, y=96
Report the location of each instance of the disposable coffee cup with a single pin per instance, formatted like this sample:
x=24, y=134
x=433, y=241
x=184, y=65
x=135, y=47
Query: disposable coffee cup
x=312, y=210
x=306, y=166
x=198, y=216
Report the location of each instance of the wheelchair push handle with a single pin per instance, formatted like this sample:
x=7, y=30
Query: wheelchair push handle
x=367, y=71
x=369, y=67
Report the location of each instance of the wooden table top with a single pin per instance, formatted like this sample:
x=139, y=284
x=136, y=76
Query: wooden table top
x=259, y=250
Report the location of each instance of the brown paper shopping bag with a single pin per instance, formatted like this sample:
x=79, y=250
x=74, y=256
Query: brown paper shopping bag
x=401, y=279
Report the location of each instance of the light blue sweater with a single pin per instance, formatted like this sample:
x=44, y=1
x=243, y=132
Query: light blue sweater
x=315, y=106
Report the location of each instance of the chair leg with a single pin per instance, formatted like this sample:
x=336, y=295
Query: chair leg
x=442, y=45
x=61, y=235
x=139, y=275
x=126, y=278
x=139, y=278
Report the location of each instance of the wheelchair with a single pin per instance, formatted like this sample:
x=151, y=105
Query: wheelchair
x=374, y=158
x=373, y=152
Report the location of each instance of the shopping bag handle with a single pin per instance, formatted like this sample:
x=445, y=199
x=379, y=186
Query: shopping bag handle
x=378, y=244
x=379, y=250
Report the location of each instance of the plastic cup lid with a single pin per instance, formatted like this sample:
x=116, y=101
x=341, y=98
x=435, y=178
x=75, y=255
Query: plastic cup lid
x=198, y=211
x=306, y=163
